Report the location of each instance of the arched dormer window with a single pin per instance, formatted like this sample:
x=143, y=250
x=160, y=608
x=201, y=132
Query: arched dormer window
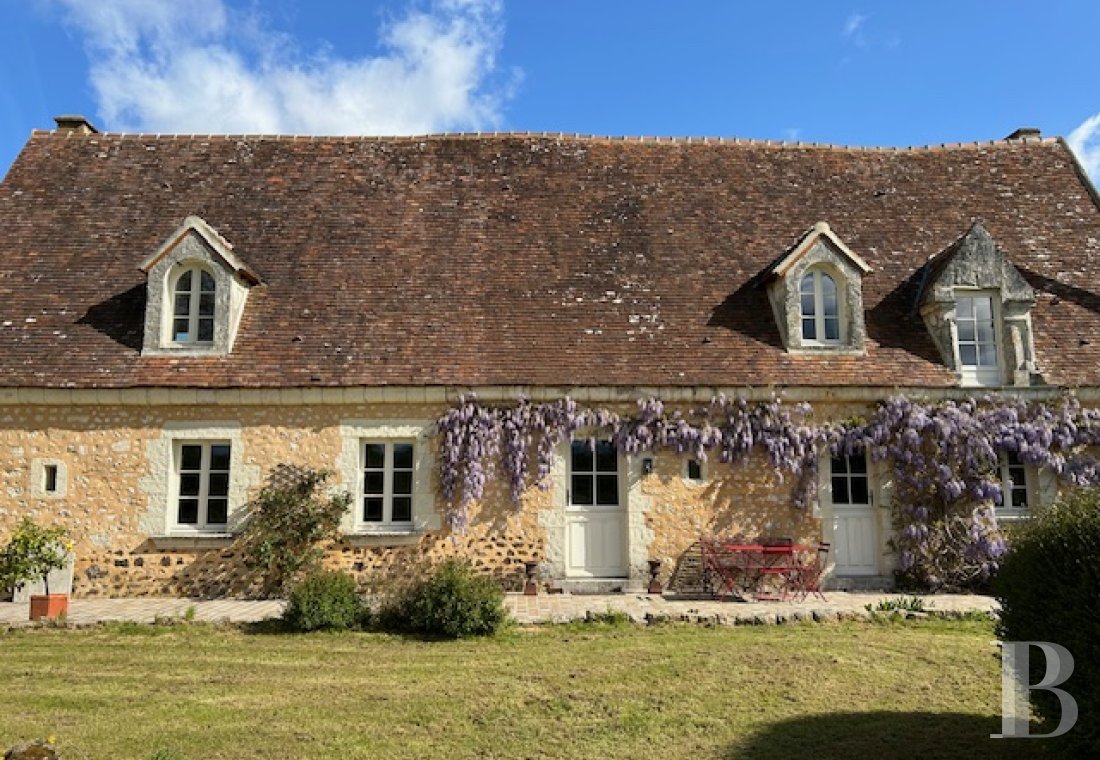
x=196, y=290
x=193, y=306
x=820, y=307
x=816, y=293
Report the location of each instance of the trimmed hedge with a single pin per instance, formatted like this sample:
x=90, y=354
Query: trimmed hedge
x=1049, y=588
x=325, y=600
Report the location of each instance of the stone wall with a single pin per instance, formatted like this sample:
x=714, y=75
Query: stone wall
x=112, y=467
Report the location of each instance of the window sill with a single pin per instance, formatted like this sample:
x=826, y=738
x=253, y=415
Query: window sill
x=385, y=537
x=192, y=540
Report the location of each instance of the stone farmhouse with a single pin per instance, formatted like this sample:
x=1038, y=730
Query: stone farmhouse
x=183, y=316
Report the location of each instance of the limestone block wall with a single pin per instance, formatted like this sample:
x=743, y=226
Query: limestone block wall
x=112, y=464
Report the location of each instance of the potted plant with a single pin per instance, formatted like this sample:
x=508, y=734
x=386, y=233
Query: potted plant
x=31, y=554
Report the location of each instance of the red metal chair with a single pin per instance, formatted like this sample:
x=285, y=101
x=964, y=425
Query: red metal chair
x=806, y=577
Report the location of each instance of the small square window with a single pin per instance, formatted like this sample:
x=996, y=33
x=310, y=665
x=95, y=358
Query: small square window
x=49, y=477
x=694, y=469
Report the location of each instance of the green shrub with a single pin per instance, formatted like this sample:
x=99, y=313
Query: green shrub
x=454, y=601
x=899, y=604
x=325, y=600
x=1049, y=588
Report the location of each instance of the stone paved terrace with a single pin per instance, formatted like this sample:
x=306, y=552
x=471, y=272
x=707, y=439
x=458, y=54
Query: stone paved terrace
x=526, y=610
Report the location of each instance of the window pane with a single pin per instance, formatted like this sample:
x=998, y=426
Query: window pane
x=582, y=489
x=859, y=490
x=183, y=304
x=583, y=460
x=966, y=330
x=607, y=489
x=983, y=308
x=828, y=286
x=219, y=484
x=219, y=456
x=402, y=482
x=839, y=465
x=987, y=355
x=808, y=306
x=206, y=304
x=809, y=329
x=207, y=281
x=857, y=463
x=206, y=329
x=607, y=458
x=188, y=512
x=402, y=456
x=373, y=482
x=968, y=355
x=832, y=329
x=402, y=509
x=828, y=300
x=181, y=332
x=372, y=509
x=985, y=332
x=190, y=457
x=217, y=510
x=189, y=484
x=184, y=282
x=807, y=284
x=840, y=490
x=376, y=455
x=1019, y=497
x=964, y=308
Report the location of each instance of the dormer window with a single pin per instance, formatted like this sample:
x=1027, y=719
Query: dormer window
x=977, y=307
x=193, y=307
x=816, y=292
x=820, y=308
x=196, y=293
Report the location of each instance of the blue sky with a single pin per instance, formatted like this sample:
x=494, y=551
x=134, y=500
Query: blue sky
x=842, y=72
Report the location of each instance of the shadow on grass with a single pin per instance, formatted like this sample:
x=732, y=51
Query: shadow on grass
x=890, y=735
x=278, y=627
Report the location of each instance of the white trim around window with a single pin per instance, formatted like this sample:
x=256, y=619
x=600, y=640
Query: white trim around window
x=387, y=467
x=978, y=340
x=820, y=308
x=1018, y=487
x=216, y=481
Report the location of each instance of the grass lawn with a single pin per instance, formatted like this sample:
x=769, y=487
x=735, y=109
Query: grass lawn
x=928, y=689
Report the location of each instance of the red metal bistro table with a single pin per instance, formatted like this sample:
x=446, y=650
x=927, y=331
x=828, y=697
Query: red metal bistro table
x=765, y=570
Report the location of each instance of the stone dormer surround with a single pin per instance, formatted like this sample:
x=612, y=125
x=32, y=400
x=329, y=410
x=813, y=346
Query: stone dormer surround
x=819, y=247
x=195, y=243
x=975, y=262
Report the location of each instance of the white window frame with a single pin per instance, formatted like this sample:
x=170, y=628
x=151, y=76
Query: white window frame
x=1005, y=510
x=195, y=297
x=819, y=316
x=426, y=514
x=388, y=469
x=978, y=375
x=202, y=525
x=849, y=476
x=595, y=472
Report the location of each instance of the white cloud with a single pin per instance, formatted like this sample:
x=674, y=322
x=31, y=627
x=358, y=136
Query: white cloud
x=853, y=28
x=204, y=66
x=1085, y=142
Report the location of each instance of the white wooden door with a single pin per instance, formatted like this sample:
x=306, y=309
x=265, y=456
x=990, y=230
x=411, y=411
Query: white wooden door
x=595, y=513
x=854, y=539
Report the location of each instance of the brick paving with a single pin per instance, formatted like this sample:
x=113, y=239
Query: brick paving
x=527, y=610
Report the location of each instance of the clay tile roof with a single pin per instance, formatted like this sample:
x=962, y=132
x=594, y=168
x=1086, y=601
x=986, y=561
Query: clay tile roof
x=511, y=259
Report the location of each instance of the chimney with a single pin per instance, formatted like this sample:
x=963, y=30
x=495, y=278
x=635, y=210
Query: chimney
x=75, y=124
x=1024, y=132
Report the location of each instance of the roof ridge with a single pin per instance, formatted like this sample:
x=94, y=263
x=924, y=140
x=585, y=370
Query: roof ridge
x=575, y=136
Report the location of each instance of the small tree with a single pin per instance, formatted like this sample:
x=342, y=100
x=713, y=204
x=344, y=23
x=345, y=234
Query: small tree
x=288, y=526
x=32, y=553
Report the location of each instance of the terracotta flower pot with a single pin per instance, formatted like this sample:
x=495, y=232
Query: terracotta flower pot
x=49, y=605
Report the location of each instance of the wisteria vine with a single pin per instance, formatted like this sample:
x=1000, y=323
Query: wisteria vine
x=944, y=457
